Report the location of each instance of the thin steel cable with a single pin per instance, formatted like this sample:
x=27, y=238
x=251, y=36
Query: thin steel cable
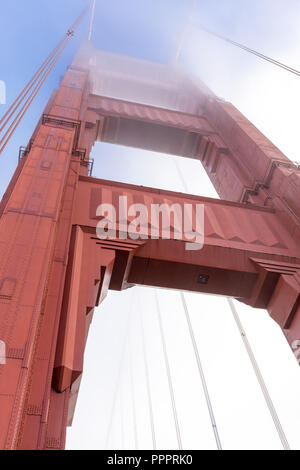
x=136, y=441
x=121, y=417
x=196, y=351
x=92, y=18
x=33, y=94
x=167, y=364
x=248, y=49
x=149, y=395
x=9, y=113
x=201, y=373
x=118, y=379
x=41, y=68
x=185, y=31
x=12, y=128
x=183, y=182
x=259, y=376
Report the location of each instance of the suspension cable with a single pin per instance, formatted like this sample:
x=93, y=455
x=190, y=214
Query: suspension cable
x=40, y=69
x=149, y=395
x=38, y=79
x=185, y=30
x=13, y=126
x=29, y=85
x=196, y=350
x=249, y=351
x=259, y=376
x=136, y=442
x=121, y=417
x=201, y=373
x=248, y=49
x=230, y=41
x=118, y=378
x=92, y=18
x=167, y=364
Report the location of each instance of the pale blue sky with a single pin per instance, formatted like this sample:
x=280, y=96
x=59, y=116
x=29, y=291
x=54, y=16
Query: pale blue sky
x=148, y=29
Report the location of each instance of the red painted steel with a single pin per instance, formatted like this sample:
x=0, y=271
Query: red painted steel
x=54, y=270
x=113, y=107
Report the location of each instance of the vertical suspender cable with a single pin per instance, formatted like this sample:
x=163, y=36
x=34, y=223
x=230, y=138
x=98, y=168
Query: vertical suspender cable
x=183, y=182
x=259, y=376
x=118, y=380
x=167, y=364
x=185, y=31
x=136, y=442
x=92, y=17
x=201, y=373
x=151, y=416
x=121, y=417
x=196, y=351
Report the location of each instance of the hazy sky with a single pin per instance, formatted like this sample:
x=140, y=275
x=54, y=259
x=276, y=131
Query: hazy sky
x=108, y=407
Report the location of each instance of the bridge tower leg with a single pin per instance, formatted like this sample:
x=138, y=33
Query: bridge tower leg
x=35, y=231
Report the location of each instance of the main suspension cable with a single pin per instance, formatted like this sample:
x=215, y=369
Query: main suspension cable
x=13, y=126
x=201, y=373
x=190, y=23
x=92, y=18
x=259, y=376
x=25, y=90
x=185, y=30
x=29, y=85
x=38, y=79
x=248, y=49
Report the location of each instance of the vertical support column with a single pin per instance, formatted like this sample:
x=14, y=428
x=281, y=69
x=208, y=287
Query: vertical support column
x=34, y=242
x=255, y=169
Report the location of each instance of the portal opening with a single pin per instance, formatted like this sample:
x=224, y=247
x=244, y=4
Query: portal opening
x=148, y=168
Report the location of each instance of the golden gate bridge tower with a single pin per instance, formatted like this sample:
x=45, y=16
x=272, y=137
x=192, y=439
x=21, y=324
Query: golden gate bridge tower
x=54, y=269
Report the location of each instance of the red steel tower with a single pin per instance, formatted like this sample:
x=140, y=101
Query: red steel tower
x=54, y=269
